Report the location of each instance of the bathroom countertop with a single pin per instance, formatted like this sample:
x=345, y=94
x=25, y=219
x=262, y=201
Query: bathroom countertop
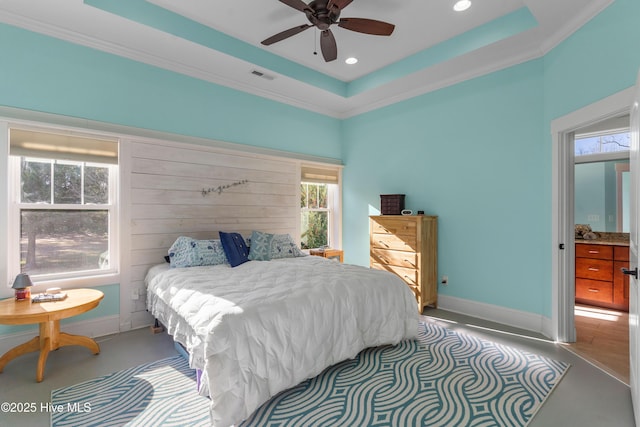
x=617, y=239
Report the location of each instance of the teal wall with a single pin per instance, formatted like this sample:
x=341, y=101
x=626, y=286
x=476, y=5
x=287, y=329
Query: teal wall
x=478, y=155
x=48, y=75
x=468, y=154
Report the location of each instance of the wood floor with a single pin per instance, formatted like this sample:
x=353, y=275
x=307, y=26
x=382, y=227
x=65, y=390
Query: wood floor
x=603, y=339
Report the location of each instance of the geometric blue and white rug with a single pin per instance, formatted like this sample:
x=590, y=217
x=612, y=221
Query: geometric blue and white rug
x=161, y=393
x=444, y=378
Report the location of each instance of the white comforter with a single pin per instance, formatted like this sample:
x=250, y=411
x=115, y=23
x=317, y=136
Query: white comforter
x=265, y=326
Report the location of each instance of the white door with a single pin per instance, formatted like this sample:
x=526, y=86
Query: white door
x=634, y=253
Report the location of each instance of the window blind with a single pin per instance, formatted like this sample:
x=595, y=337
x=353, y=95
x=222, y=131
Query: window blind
x=30, y=143
x=320, y=175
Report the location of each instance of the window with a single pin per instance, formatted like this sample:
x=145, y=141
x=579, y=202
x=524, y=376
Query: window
x=320, y=212
x=605, y=142
x=64, y=205
x=315, y=215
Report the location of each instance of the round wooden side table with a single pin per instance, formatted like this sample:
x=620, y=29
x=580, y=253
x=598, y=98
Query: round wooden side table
x=48, y=315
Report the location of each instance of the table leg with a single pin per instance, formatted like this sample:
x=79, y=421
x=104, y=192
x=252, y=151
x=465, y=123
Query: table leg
x=68, y=339
x=50, y=339
x=42, y=360
x=28, y=347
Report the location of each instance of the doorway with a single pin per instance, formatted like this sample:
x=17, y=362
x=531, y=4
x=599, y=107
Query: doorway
x=563, y=224
x=601, y=215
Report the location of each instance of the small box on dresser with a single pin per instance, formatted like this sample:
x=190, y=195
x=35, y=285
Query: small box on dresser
x=407, y=246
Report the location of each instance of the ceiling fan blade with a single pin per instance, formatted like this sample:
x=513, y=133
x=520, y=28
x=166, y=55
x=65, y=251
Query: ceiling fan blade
x=328, y=46
x=367, y=26
x=341, y=4
x=285, y=34
x=297, y=4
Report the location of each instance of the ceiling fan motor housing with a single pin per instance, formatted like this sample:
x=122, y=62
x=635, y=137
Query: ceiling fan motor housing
x=320, y=16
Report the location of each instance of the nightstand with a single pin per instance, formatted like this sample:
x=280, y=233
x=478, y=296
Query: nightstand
x=329, y=253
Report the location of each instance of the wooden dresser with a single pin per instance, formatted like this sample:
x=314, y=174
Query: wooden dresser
x=599, y=279
x=407, y=246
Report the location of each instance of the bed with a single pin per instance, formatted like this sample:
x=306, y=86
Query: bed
x=265, y=326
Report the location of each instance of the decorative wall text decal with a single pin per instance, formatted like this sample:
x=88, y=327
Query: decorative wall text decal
x=219, y=189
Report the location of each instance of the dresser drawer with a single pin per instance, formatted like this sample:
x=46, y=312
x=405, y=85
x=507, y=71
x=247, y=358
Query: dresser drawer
x=395, y=242
x=409, y=275
x=594, y=290
x=391, y=257
x=596, y=269
x=394, y=226
x=594, y=251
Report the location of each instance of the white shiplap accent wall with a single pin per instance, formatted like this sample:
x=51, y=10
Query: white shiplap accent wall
x=165, y=191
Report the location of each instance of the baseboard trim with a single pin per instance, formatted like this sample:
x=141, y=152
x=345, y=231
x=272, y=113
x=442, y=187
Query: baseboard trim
x=494, y=313
x=141, y=319
x=93, y=328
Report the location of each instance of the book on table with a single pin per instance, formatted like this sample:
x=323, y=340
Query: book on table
x=44, y=297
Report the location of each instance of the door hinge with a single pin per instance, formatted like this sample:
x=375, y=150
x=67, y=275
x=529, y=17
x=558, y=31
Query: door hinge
x=561, y=246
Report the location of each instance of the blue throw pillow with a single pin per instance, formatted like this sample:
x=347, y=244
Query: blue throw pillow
x=235, y=248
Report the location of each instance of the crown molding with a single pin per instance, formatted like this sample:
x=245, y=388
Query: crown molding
x=452, y=75
x=585, y=15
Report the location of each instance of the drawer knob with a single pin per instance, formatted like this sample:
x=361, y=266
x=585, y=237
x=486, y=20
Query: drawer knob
x=383, y=243
x=593, y=269
x=594, y=290
x=633, y=272
x=594, y=252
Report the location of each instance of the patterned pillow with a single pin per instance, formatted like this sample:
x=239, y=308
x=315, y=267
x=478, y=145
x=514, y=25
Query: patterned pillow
x=189, y=252
x=266, y=246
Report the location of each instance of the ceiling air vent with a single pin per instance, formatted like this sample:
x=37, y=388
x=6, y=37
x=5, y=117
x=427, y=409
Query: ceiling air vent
x=263, y=75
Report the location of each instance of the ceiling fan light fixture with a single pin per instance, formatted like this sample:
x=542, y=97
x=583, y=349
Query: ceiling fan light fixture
x=462, y=5
x=351, y=60
x=322, y=14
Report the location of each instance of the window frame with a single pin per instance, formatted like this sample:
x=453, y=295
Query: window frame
x=84, y=278
x=601, y=156
x=334, y=201
x=331, y=217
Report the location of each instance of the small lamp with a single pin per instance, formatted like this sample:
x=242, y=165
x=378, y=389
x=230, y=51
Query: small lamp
x=22, y=285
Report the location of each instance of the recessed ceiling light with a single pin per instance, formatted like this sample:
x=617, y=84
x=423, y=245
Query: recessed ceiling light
x=351, y=60
x=462, y=5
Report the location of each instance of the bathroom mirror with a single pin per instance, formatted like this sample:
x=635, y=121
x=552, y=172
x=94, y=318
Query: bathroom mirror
x=601, y=195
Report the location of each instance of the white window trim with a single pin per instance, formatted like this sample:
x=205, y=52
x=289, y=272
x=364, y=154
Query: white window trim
x=90, y=278
x=332, y=194
x=334, y=199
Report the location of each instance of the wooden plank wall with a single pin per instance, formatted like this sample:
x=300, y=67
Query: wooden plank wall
x=166, y=201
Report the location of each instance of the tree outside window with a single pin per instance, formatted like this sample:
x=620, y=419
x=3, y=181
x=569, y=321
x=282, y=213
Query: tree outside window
x=64, y=216
x=602, y=143
x=315, y=215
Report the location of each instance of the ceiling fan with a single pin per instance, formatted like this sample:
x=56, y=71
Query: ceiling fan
x=324, y=13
